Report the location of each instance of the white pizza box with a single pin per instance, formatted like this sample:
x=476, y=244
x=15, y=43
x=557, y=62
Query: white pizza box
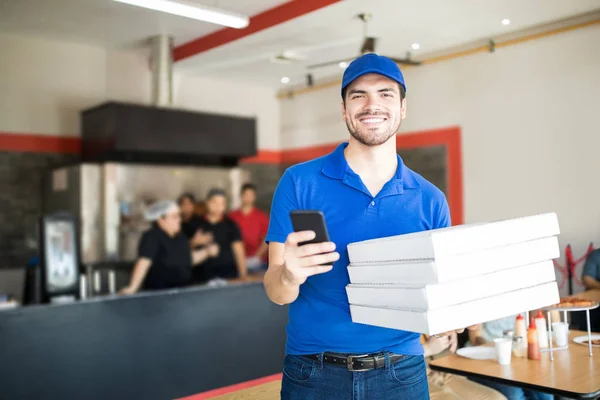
x=461, y=315
x=456, y=266
x=435, y=296
x=437, y=243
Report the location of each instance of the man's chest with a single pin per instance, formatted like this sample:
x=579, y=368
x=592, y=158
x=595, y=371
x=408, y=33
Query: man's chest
x=353, y=216
x=219, y=231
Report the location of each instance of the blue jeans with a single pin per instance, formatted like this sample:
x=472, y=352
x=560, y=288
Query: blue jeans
x=514, y=393
x=306, y=379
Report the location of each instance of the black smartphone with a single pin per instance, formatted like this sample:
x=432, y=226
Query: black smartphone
x=310, y=220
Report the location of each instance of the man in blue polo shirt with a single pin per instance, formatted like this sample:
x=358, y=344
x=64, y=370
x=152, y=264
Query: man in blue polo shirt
x=365, y=192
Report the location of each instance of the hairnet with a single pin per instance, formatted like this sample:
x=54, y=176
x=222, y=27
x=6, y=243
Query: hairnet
x=160, y=208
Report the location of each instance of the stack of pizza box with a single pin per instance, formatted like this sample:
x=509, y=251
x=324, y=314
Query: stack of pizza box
x=445, y=279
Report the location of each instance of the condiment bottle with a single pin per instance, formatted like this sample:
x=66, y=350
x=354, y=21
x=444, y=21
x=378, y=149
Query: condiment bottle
x=533, y=345
x=519, y=346
x=520, y=327
x=540, y=326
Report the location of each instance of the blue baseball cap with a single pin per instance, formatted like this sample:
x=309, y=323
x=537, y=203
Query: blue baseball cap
x=372, y=63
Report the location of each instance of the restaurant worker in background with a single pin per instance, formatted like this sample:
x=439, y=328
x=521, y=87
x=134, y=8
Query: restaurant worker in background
x=253, y=224
x=365, y=192
x=165, y=259
x=231, y=261
x=190, y=221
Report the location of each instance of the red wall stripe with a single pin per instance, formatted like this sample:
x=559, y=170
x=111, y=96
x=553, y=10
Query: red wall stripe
x=449, y=137
x=26, y=142
x=267, y=19
x=233, y=388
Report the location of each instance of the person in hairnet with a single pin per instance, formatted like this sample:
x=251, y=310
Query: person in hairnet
x=165, y=259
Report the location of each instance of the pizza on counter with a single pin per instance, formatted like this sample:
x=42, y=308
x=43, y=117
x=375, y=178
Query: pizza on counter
x=568, y=302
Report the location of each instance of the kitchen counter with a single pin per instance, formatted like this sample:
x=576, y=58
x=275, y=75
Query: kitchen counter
x=152, y=345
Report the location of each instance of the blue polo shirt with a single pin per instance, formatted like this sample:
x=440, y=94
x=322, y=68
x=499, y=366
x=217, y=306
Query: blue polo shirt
x=319, y=319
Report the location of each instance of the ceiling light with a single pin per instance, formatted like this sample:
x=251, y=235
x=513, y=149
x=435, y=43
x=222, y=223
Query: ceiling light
x=506, y=21
x=415, y=46
x=343, y=64
x=199, y=12
x=285, y=80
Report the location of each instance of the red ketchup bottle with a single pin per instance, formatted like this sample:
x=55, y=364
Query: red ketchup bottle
x=533, y=344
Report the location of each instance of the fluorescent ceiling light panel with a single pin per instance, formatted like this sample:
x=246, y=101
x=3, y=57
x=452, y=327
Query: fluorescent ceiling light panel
x=199, y=12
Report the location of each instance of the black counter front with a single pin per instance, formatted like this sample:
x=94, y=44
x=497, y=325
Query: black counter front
x=149, y=346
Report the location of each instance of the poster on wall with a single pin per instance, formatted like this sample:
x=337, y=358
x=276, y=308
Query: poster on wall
x=60, y=254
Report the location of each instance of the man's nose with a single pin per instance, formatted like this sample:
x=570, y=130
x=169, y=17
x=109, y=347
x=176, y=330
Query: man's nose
x=372, y=104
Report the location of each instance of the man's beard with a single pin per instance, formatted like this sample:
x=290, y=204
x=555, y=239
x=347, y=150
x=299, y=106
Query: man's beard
x=372, y=139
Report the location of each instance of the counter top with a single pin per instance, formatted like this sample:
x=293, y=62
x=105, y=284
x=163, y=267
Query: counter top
x=151, y=345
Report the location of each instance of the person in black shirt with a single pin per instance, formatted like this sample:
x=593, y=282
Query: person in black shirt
x=165, y=259
x=190, y=222
x=231, y=261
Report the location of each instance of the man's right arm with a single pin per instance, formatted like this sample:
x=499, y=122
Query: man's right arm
x=591, y=270
x=590, y=283
x=278, y=290
x=140, y=270
x=290, y=264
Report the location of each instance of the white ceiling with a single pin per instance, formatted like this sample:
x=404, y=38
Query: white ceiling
x=331, y=33
x=111, y=24
x=335, y=33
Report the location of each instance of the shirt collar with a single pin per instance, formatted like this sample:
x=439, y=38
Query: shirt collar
x=337, y=167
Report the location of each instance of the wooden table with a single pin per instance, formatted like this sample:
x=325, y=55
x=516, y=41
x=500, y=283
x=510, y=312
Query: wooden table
x=267, y=388
x=573, y=373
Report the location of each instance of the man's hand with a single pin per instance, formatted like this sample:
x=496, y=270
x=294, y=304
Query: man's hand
x=213, y=250
x=435, y=345
x=453, y=342
x=201, y=238
x=127, y=290
x=457, y=331
x=300, y=262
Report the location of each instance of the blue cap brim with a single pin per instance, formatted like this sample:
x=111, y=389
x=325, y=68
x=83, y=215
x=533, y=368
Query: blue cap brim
x=379, y=71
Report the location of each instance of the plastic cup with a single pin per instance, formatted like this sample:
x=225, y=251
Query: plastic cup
x=503, y=350
x=561, y=333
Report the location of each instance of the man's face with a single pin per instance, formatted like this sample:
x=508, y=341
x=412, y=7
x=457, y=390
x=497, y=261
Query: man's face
x=187, y=207
x=373, y=111
x=216, y=205
x=248, y=198
x=171, y=222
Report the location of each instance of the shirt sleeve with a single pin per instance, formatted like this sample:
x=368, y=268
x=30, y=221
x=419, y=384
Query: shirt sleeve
x=443, y=218
x=592, y=265
x=284, y=201
x=148, y=247
x=235, y=234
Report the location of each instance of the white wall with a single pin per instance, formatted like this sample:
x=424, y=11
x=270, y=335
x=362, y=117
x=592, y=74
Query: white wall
x=44, y=84
x=529, y=119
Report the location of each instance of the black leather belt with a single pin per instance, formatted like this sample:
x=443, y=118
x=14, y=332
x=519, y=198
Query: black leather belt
x=356, y=363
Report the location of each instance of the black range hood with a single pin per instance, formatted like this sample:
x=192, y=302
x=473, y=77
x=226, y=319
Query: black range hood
x=123, y=132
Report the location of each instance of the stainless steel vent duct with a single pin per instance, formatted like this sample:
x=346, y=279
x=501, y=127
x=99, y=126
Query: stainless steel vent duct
x=161, y=64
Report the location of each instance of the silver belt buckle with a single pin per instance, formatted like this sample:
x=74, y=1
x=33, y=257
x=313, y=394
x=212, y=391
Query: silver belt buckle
x=350, y=361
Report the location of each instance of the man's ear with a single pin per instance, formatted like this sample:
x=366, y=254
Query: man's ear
x=403, y=108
